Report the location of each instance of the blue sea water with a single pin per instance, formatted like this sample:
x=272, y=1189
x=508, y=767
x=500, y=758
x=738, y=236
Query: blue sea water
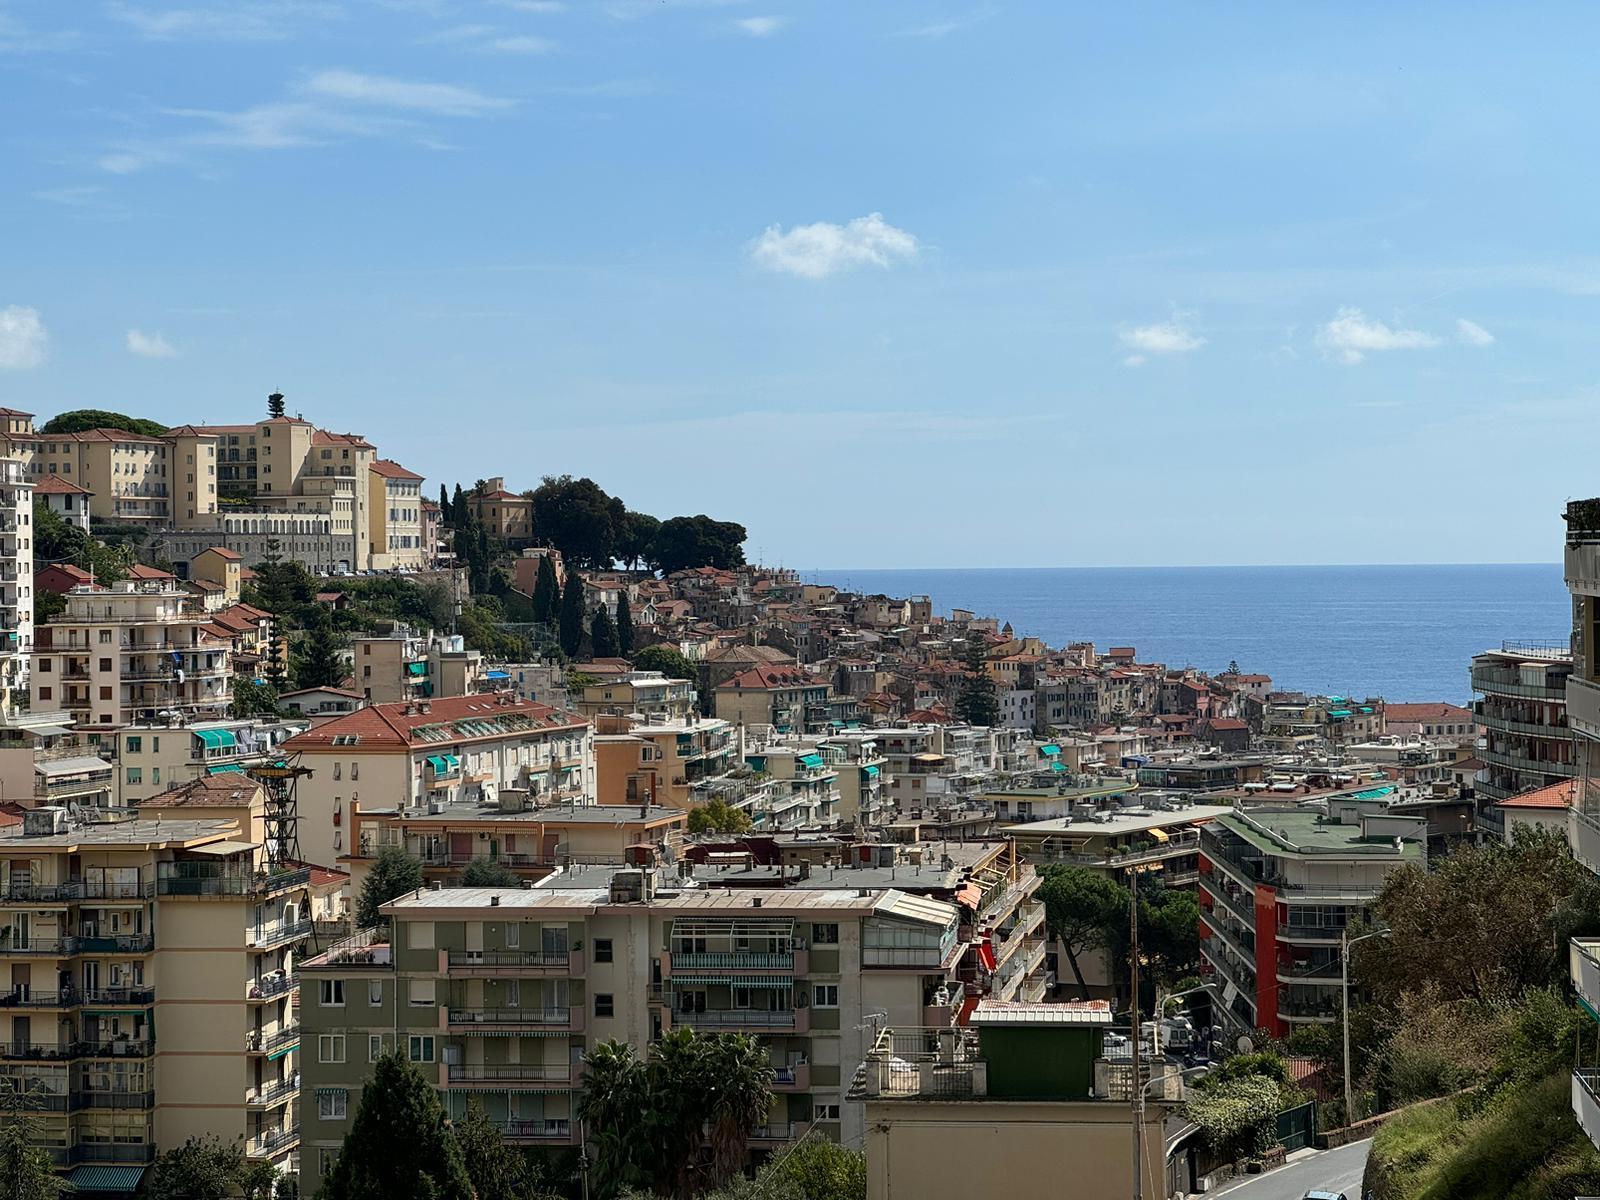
x=1406, y=633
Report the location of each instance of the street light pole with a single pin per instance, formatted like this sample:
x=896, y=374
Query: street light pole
x=1345, y=942
x=1138, y=1090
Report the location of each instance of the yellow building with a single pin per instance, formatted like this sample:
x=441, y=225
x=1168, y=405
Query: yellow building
x=645, y=693
x=395, y=533
x=219, y=565
x=685, y=756
x=504, y=514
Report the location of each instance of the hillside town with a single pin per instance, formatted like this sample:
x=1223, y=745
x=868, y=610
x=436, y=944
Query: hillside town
x=302, y=771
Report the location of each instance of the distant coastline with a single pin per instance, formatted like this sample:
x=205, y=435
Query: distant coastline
x=1406, y=633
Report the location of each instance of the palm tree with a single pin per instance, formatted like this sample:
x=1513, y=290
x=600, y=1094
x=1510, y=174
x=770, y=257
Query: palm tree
x=610, y=1106
x=740, y=1103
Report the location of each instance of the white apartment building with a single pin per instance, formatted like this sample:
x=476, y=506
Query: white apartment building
x=16, y=580
x=131, y=652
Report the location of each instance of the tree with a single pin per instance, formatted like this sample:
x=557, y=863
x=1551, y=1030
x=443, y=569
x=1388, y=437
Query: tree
x=487, y=872
x=546, y=591
x=203, y=1168
x=718, y=816
x=444, y=505
x=578, y=519
x=602, y=634
x=497, y=1171
x=977, y=703
x=26, y=1172
x=458, y=507
x=254, y=698
x=321, y=661
x=1082, y=906
x=275, y=406
x=613, y=1101
x=399, y=1143
x=669, y=660
x=393, y=874
x=57, y=540
x=624, y=627
x=637, y=538
x=570, y=632
x=816, y=1169
x=78, y=420
x=698, y=541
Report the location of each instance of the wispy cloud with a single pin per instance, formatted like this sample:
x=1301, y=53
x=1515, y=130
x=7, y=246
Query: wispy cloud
x=17, y=38
x=1352, y=335
x=89, y=200
x=939, y=29
x=1171, y=337
x=760, y=27
x=385, y=91
x=522, y=44
x=1470, y=333
x=150, y=345
x=823, y=249
x=237, y=21
x=24, y=341
x=487, y=38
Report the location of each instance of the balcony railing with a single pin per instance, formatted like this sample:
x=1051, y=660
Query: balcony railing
x=733, y=960
x=1586, y=1101
x=272, y=1093
x=114, y=1099
x=738, y=1018
x=229, y=883
x=553, y=1017
x=272, y=1141
x=256, y=1043
x=489, y=962
x=470, y=1073
x=1532, y=766
x=277, y=933
x=271, y=985
x=538, y=1130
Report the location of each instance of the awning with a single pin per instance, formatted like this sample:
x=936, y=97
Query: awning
x=104, y=1179
x=225, y=769
x=1160, y=835
x=443, y=764
x=281, y=1051
x=971, y=895
x=1058, y=766
x=1049, y=748
x=497, y=675
x=222, y=849
x=754, y=981
x=48, y=730
x=811, y=760
x=72, y=766
x=416, y=668
x=870, y=772
x=986, y=955
x=216, y=739
x=1338, y=712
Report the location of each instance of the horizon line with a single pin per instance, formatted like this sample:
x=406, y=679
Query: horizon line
x=1175, y=566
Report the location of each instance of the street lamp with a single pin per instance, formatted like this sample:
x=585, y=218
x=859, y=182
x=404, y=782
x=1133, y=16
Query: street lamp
x=1345, y=942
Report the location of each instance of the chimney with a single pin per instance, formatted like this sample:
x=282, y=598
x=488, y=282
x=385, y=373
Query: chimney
x=494, y=900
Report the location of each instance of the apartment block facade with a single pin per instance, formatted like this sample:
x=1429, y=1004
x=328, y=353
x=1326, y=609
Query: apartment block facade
x=16, y=580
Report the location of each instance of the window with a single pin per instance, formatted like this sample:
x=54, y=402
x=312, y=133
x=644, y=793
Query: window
x=513, y=936
x=374, y=992
x=604, y=1005
x=105, y=693
x=337, y=775
x=421, y=1049
x=825, y=995
x=825, y=935
x=331, y=1103
x=421, y=935
x=136, y=775
x=105, y=637
x=134, y=743
x=602, y=950
x=421, y=993
x=332, y=993
x=825, y=1112
x=374, y=1047
x=330, y=1047
x=44, y=693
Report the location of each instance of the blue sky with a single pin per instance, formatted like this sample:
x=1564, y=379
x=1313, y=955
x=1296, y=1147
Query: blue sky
x=894, y=284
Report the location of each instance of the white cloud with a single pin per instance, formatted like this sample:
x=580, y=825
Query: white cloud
x=150, y=345
x=760, y=27
x=522, y=45
x=17, y=38
x=384, y=91
x=819, y=250
x=456, y=33
x=1352, y=335
x=1470, y=333
x=1168, y=338
x=23, y=338
x=238, y=21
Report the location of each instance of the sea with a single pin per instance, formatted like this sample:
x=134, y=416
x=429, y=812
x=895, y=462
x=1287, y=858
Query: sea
x=1406, y=633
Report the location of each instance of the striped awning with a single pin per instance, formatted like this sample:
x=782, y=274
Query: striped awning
x=762, y=981
x=282, y=1050
x=500, y=1089
x=477, y=1033
x=104, y=1179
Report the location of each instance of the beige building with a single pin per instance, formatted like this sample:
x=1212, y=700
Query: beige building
x=395, y=502
x=504, y=514
x=684, y=756
x=128, y=653
x=127, y=475
x=16, y=580
x=428, y=755
x=502, y=991
x=152, y=758
x=67, y=500
x=784, y=697
x=219, y=565
x=106, y=927
x=645, y=693
x=410, y=666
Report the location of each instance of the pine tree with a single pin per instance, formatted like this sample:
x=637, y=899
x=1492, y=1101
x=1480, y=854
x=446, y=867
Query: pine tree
x=602, y=634
x=546, y=592
x=321, y=655
x=497, y=1171
x=400, y=1143
x=624, y=627
x=275, y=405
x=393, y=873
x=571, y=631
x=978, y=704
x=24, y=1167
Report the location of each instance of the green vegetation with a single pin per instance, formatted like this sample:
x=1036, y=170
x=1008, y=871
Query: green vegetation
x=393, y=873
x=1236, y=1105
x=813, y=1169
x=206, y=1168
x=56, y=540
x=571, y=615
x=677, y=1123
x=699, y=541
x=1081, y=906
x=977, y=703
x=669, y=660
x=78, y=420
x=602, y=634
x=25, y=1169
x=624, y=627
x=400, y=1143
x=546, y=592
x=486, y=872
x=718, y=816
x=253, y=698
x=1088, y=910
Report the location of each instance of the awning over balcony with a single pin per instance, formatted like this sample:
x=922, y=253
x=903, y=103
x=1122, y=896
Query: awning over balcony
x=971, y=895
x=1049, y=748
x=72, y=766
x=223, y=849
x=416, y=668
x=217, y=739
x=870, y=772
x=282, y=1050
x=104, y=1179
x=753, y=981
x=225, y=769
x=811, y=760
x=1160, y=835
x=444, y=764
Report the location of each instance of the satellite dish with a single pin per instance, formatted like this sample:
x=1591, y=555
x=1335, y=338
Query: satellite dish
x=1245, y=1045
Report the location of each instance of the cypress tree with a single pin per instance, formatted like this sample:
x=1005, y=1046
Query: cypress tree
x=602, y=634
x=399, y=1143
x=444, y=504
x=546, y=592
x=571, y=630
x=624, y=627
x=458, y=507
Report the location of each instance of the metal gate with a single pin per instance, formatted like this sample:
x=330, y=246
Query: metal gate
x=1297, y=1126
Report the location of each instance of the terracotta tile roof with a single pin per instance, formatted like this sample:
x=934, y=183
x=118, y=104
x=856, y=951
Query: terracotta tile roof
x=333, y=691
x=140, y=571
x=208, y=430
x=1433, y=711
x=248, y=612
x=390, y=469
x=1226, y=724
x=230, y=789
x=1556, y=795
x=54, y=485
x=448, y=721
x=203, y=585
x=221, y=552
x=102, y=435
x=355, y=441
x=771, y=676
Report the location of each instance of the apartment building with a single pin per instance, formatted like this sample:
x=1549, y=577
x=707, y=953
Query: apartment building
x=67, y=500
x=1527, y=742
x=502, y=991
x=784, y=697
x=804, y=791
x=407, y=665
x=103, y=924
x=673, y=760
x=1278, y=886
x=16, y=580
x=428, y=755
x=647, y=693
x=130, y=652
x=858, y=763
x=395, y=541
x=503, y=514
x=151, y=758
x=125, y=476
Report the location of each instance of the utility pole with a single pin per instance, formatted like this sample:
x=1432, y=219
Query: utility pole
x=1138, y=1084
x=1344, y=992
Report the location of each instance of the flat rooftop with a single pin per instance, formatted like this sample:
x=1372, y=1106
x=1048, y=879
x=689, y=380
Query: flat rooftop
x=473, y=903
x=1126, y=821
x=564, y=814
x=1307, y=831
x=925, y=876
x=130, y=834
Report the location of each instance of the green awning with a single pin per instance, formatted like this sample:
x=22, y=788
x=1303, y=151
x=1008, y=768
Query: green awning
x=217, y=739
x=443, y=764
x=1049, y=748
x=1061, y=766
x=104, y=1179
x=282, y=1050
x=417, y=668
x=811, y=760
x=1366, y=708
x=224, y=769
x=872, y=773
x=1338, y=712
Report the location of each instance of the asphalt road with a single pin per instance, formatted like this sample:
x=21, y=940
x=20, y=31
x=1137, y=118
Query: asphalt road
x=1329, y=1171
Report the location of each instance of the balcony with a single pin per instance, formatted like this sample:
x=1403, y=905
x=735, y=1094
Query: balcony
x=272, y=1142
x=476, y=1076
x=548, y=1132
x=116, y=1048
x=41, y=946
x=1240, y=905
x=1513, y=683
x=513, y=1019
x=747, y=1020
x=779, y=1132
x=276, y=1092
x=515, y=963
x=114, y=1099
x=269, y=986
x=796, y=1078
x=194, y=879
x=1532, y=766
x=910, y=958
x=257, y=1042
x=753, y=962
x=1583, y=831
x=1586, y=1101
x=50, y=1051
x=122, y=943
x=278, y=933
x=1583, y=705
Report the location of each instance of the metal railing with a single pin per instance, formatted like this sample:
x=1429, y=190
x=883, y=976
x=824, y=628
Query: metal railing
x=734, y=960
x=737, y=1018
x=499, y=1072
x=272, y=985
x=510, y=958
x=255, y=1043
x=510, y=1016
x=278, y=932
